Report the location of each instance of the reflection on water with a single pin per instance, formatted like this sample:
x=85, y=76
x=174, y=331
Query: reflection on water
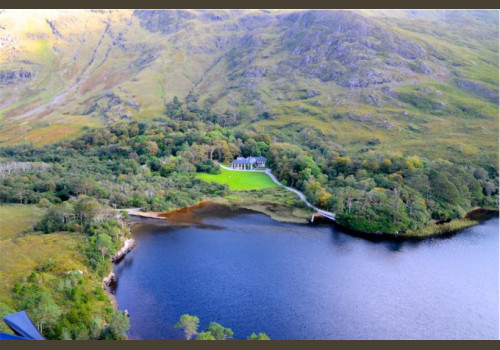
x=252, y=274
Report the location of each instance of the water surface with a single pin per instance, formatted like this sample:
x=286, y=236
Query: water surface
x=253, y=274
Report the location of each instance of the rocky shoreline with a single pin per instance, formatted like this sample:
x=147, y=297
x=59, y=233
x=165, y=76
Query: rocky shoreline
x=107, y=285
x=110, y=280
x=128, y=245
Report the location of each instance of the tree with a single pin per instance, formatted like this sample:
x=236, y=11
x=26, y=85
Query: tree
x=443, y=189
x=205, y=336
x=413, y=162
x=4, y=311
x=190, y=325
x=119, y=325
x=342, y=164
x=154, y=164
x=66, y=334
x=105, y=244
x=226, y=152
x=96, y=327
x=219, y=332
x=46, y=312
x=149, y=147
x=44, y=203
x=385, y=166
x=87, y=209
x=308, y=162
x=260, y=336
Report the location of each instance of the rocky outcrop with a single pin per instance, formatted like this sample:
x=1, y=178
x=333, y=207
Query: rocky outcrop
x=128, y=245
x=8, y=77
x=256, y=21
x=349, y=49
x=166, y=22
x=109, y=279
x=54, y=29
x=478, y=89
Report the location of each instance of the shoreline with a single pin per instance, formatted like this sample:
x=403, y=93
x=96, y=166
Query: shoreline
x=160, y=215
x=110, y=280
x=263, y=208
x=146, y=214
x=447, y=229
x=128, y=245
x=271, y=209
x=276, y=211
x=107, y=283
x=436, y=229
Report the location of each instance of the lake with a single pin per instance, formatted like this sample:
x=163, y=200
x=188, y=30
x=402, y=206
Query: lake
x=253, y=274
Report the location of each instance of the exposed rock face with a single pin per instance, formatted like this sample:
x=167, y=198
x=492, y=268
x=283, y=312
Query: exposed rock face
x=8, y=77
x=347, y=48
x=478, y=89
x=128, y=245
x=163, y=21
x=256, y=22
x=54, y=29
x=110, y=279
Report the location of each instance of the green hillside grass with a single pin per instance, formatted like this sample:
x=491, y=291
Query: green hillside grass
x=15, y=218
x=211, y=61
x=22, y=253
x=240, y=180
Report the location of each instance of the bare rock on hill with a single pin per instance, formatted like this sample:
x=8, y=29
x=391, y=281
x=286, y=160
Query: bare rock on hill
x=349, y=49
x=478, y=89
x=8, y=77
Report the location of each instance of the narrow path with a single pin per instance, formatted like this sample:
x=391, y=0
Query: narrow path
x=267, y=171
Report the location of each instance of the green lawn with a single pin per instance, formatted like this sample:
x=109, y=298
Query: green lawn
x=240, y=180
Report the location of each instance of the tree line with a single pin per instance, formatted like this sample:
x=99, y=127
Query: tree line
x=214, y=331
x=152, y=165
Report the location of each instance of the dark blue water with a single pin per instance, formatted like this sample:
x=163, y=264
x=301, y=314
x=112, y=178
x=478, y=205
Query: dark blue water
x=252, y=274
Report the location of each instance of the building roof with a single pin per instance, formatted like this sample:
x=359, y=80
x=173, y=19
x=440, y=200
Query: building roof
x=248, y=160
x=244, y=161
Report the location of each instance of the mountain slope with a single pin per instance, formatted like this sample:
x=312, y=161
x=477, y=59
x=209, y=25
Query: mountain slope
x=425, y=80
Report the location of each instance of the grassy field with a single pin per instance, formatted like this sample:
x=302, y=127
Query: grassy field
x=256, y=191
x=240, y=180
x=15, y=218
x=21, y=253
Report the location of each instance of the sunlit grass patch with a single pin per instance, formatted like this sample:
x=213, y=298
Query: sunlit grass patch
x=240, y=180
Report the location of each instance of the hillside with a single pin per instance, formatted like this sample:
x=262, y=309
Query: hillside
x=361, y=80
